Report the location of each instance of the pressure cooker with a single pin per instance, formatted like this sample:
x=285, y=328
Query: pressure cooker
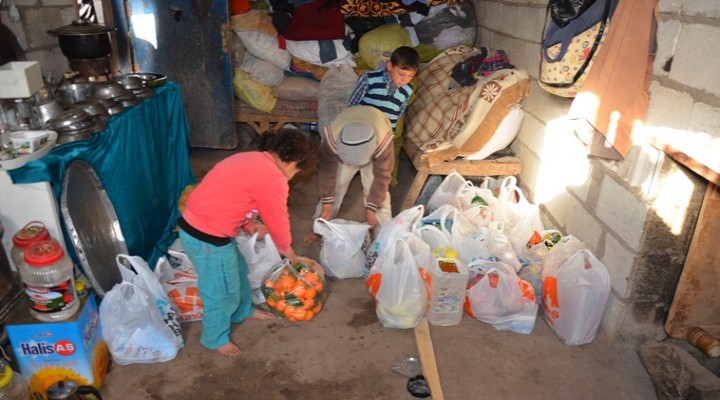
x=82, y=40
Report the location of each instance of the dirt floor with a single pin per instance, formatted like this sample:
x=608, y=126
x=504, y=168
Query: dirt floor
x=345, y=353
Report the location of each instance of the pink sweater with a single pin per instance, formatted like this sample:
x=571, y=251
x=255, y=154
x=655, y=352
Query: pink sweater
x=237, y=189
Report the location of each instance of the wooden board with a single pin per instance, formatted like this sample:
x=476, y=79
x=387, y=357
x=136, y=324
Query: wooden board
x=697, y=299
x=427, y=359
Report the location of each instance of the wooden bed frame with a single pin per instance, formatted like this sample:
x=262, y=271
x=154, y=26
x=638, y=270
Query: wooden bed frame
x=284, y=112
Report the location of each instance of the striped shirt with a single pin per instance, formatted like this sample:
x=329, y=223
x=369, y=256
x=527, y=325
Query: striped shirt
x=376, y=89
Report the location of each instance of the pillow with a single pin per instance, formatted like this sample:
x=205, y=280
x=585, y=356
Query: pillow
x=309, y=50
x=297, y=89
x=255, y=94
x=504, y=134
x=265, y=47
x=262, y=71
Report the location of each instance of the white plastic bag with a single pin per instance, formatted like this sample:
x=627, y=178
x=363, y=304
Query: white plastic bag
x=574, y=297
x=396, y=283
x=519, y=217
x=448, y=191
x=343, y=246
x=178, y=278
x=407, y=221
x=260, y=256
x=138, y=321
x=498, y=297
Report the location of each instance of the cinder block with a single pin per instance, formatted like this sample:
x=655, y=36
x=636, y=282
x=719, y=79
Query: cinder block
x=670, y=6
x=531, y=59
x=704, y=9
x=580, y=223
x=533, y=20
x=705, y=118
x=544, y=105
x=613, y=322
x=531, y=132
x=695, y=55
x=619, y=261
x=44, y=19
x=668, y=108
x=493, y=18
x=667, y=35
x=622, y=212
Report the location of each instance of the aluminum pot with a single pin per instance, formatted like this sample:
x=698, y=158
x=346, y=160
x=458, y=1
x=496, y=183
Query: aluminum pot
x=83, y=40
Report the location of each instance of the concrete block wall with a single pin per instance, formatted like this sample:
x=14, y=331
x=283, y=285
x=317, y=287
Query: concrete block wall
x=36, y=18
x=637, y=215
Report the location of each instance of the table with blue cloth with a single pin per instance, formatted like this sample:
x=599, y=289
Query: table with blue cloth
x=142, y=160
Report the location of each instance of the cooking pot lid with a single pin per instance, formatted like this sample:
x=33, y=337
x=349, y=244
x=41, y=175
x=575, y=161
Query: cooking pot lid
x=80, y=27
x=62, y=389
x=93, y=226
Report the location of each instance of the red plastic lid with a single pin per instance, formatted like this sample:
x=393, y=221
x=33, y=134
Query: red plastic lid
x=44, y=253
x=32, y=232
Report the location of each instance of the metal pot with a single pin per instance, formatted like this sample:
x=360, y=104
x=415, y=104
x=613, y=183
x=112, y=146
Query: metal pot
x=83, y=40
x=71, y=390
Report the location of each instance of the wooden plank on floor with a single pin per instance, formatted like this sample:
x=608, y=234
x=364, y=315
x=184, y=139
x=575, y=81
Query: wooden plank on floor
x=427, y=359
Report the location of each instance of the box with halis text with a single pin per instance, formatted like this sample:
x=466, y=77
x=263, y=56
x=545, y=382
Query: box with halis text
x=73, y=349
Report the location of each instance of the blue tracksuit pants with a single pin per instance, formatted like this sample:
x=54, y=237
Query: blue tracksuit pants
x=223, y=285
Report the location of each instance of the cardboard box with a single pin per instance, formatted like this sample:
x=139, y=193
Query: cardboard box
x=20, y=79
x=53, y=351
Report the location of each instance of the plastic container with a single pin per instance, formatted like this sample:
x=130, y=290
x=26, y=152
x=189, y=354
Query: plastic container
x=26, y=142
x=34, y=231
x=47, y=273
x=12, y=385
x=448, y=281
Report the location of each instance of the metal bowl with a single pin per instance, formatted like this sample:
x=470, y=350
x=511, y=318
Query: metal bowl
x=109, y=90
x=48, y=109
x=92, y=107
x=130, y=81
x=151, y=79
x=71, y=93
x=144, y=93
x=71, y=119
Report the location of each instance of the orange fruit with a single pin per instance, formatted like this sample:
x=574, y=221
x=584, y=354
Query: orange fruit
x=310, y=293
x=270, y=284
x=308, y=303
x=299, y=291
x=311, y=277
x=310, y=315
x=299, y=313
x=319, y=286
x=288, y=283
x=270, y=302
x=280, y=306
x=289, y=310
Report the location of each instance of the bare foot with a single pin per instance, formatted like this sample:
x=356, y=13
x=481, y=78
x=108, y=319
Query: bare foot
x=230, y=349
x=262, y=315
x=311, y=238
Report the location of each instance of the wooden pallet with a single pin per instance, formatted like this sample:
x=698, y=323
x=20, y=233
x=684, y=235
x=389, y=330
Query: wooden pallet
x=467, y=168
x=284, y=112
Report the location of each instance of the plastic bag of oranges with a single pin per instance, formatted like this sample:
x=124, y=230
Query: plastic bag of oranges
x=295, y=292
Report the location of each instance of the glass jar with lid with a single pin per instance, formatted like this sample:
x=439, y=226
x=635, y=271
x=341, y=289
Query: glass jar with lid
x=34, y=231
x=47, y=273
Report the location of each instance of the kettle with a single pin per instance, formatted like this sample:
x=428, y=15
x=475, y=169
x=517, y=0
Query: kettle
x=71, y=390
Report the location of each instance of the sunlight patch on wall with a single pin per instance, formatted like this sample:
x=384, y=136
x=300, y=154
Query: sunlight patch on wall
x=563, y=161
x=143, y=25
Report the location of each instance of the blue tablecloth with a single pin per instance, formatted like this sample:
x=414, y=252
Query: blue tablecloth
x=142, y=159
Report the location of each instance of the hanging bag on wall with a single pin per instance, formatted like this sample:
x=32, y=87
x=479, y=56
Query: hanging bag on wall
x=567, y=52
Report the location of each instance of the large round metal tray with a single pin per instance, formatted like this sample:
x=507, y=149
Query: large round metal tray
x=93, y=226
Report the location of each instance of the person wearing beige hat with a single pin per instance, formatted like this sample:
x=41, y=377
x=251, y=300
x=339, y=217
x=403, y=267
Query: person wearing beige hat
x=360, y=139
